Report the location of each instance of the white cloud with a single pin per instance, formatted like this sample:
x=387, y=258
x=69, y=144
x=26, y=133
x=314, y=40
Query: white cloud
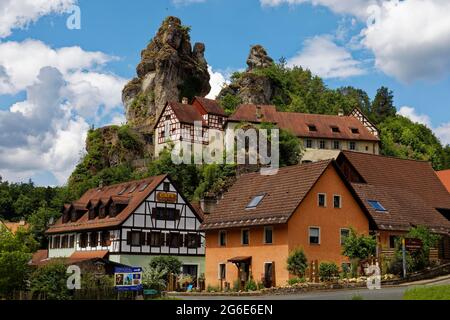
x=66, y=88
x=186, y=2
x=217, y=82
x=326, y=59
x=442, y=131
x=20, y=13
x=354, y=7
x=411, y=39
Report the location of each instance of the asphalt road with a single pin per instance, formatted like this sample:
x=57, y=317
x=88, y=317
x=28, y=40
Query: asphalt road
x=386, y=293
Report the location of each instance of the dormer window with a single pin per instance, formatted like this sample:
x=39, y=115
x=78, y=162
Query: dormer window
x=312, y=128
x=335, y=129
x=122, y=191
x=355, y=130
x=255, y=201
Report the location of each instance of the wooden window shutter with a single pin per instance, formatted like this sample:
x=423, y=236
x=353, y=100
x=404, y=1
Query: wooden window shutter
x=129, y=238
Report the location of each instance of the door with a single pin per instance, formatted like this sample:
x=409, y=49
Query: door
x=190, y=269
x=269, y=272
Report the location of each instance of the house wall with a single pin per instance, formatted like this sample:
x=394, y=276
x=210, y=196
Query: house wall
x=260, y=253
x=330, y=220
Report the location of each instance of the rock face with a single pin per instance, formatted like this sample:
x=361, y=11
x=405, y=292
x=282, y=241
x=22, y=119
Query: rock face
x=169, y=70
x=252, y=87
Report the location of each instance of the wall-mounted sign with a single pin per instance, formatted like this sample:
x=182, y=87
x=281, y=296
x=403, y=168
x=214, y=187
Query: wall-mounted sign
x=413, y=244
x=128, y=279
x=166, y=197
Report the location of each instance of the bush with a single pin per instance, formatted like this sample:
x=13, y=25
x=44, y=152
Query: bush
x=51, y=281
x=328, y=271
x=359, y=246
x=211, y=288
x=297, y=263
x=295, y=281
x=251, y=285
x=168, y=264
x=155, y=278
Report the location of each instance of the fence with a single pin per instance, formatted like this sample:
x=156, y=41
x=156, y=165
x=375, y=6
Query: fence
x=91, y=294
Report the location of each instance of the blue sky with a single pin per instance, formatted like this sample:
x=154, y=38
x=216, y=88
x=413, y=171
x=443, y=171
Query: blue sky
x=85, y=69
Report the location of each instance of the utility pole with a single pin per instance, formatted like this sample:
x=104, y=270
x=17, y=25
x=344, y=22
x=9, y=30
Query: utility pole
x=404, y=257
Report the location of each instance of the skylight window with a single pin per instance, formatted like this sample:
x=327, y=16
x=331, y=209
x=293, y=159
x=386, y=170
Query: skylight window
x=123, y=190
x=377, y=205
x=143, y=187
x=133, y=188
x=255, y=201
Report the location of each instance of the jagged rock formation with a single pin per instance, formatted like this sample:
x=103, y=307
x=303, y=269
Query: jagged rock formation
x=252, y=86
x=169, y=70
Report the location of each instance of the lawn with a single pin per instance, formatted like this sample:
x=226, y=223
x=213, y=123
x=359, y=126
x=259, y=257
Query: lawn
x=428, y=293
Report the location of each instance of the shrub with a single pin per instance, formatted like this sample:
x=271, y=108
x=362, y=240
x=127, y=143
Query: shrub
x=155, y=278
x=328, y=271
x=211, y=288
x=236, y=285
x=251, y=285
x=295, y=281
x=297, y=263
x=51, y=281
x=359, y=246
x=167, y=263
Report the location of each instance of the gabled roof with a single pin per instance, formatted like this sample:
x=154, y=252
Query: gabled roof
x=298, y=123
x=210, y=106
x=13, y=227
x=186, y=113
x=444, y=176
x=143, y=189
x=409, y=190
x=282, y=192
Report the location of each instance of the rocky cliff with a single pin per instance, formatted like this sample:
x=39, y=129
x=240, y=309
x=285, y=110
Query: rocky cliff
x=170, y=69
x=252, y=86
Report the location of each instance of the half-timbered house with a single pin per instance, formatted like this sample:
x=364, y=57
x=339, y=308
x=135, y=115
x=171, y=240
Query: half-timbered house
x=130, y=223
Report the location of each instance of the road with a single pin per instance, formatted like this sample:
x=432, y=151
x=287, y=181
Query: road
x=386, y=293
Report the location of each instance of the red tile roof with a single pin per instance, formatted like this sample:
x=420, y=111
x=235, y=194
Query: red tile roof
x=444, y=176
x=210, y=106
x=88, y=255
x=282, y=192
x=40, y=257
x=14, y=226
x=298, y=123
x=143, y=189
x=409, y=190
x=186, y=113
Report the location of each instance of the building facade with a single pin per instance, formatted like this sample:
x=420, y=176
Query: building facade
x=130, y=223
x=263, y=218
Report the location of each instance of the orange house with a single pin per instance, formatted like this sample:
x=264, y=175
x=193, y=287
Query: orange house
x=261, y=219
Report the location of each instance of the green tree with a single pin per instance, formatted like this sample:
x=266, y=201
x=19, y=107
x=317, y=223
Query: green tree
x=359, y=246
x=297, y=262
x=155, y=278
x=169, y=264
x=39, y=222
x=421, y=258
x=50, y=281
x=383, y=105
x=23, y=205
x=15, y=253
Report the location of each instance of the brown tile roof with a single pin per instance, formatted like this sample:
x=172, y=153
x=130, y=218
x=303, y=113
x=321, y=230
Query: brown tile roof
x=444, y=176
x=14, y=226
x=298, y=123
x=283, y=193
x=39, y=257
x=136, y=197
x=186, y=113
x=409, y=190
x=88, y=255
x=210, y=106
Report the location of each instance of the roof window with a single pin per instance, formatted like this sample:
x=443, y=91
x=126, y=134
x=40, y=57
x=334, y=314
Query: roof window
x=123, y=190
x=144, y=186
x=255, y=201
x=377, y=205
x=312, y=128
x=355, y=130
x=335, y=129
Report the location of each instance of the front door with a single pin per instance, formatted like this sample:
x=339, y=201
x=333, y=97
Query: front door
x=268, y=275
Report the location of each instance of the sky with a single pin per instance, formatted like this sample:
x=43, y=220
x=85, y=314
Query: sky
x=63, y=63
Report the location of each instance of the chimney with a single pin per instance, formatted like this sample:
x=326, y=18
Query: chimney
x=22, y=223
x=208, y=204
x=341, y=113
x=185, y=100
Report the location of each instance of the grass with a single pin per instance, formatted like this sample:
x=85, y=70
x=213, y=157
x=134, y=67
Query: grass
x=428, y=293
x=357, y=297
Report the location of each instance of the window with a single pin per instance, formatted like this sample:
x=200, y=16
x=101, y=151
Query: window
x=64, y=242
x=255, y=201
x=222, y=238
x=367, y=148
x=245, y=237
x=322, y=144
x=392, y=241
x=135, y=238
x=174, y=240
x=193, y=240
x=168, y=117
x=312, y=128
x=352, y=145
x=322, y=200
x=337, y=202
x=144, y=186
x=376, y=205
x=122, y=191
x=314, y=235
x=93, y=240
x=133, y=189
x=222, y=271
x=268, y=235
x=154, y=239
x=105, y=239
x=309, y=143
x=71, y=241
x=335, y=129
x=344, y=235
x=355, y=130
x=83, y=240
x=166, y=186
x=56, y=242
x=336, y=145
x=160, y=213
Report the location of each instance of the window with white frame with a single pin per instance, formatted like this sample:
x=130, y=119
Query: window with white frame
x=322, y=200
x=337, y=201
x=314, y=235
x=344, y=235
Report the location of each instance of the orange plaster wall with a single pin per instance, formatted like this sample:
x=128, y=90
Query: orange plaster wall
x=329, y=219
x=260, y=253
